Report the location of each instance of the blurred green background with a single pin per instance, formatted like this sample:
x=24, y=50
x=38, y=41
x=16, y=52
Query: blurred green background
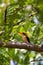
x=21, y=16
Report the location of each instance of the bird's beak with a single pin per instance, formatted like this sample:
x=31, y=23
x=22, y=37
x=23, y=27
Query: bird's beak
x=19, y=32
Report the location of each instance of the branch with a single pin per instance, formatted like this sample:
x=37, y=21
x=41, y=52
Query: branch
x=30, y=47
x=36, y=60
x=22, y=20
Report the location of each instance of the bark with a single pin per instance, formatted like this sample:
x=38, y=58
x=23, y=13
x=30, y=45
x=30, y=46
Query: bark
x=29, y=47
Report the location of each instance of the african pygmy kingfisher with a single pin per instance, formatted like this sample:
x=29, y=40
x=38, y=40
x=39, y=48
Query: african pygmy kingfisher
x=25, y=37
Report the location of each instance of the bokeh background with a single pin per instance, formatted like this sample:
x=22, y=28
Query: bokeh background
x=21, y=16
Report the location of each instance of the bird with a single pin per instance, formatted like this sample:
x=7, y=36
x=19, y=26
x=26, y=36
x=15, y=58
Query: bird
x=25, y=37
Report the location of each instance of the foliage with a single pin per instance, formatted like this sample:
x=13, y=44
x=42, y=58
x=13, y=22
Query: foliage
x=21, y=16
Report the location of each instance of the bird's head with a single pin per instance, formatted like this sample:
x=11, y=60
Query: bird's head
x=22, y=33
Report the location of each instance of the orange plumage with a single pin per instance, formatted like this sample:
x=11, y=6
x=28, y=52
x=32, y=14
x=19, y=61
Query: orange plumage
x=25, y=37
